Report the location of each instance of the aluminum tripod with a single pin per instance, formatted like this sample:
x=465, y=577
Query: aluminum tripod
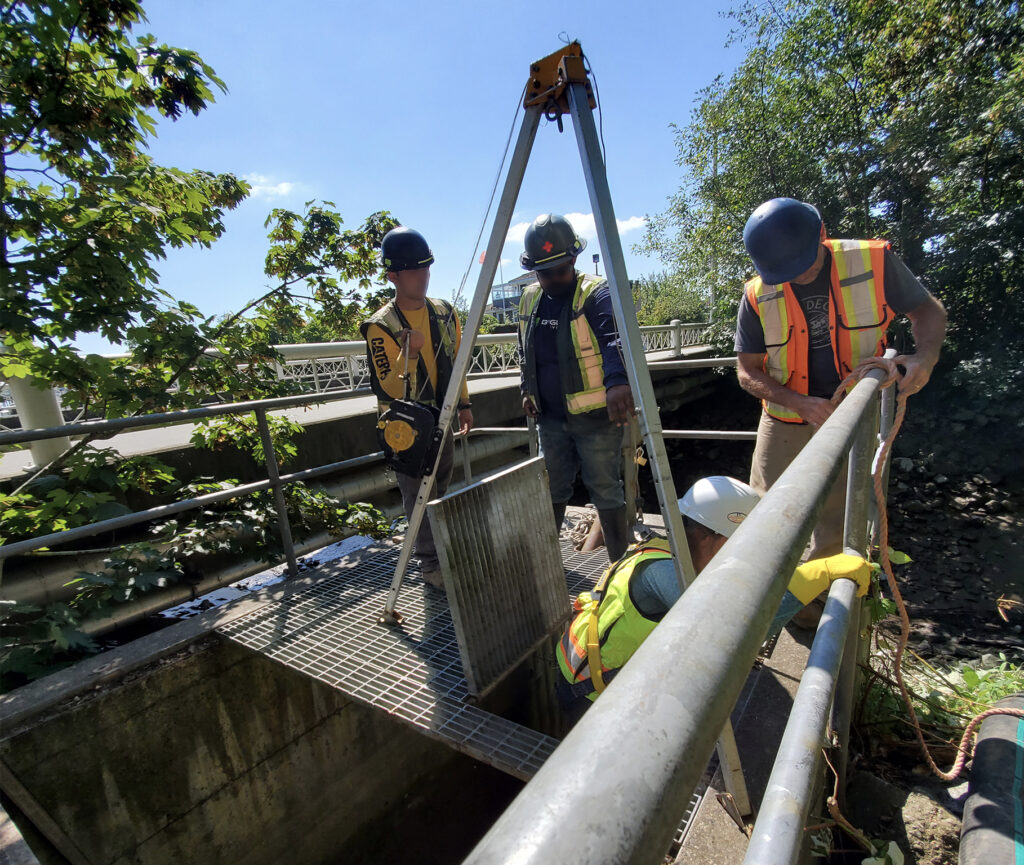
x=568, y=91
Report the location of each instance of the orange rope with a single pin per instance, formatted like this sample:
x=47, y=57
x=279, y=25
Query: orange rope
x=963, y=750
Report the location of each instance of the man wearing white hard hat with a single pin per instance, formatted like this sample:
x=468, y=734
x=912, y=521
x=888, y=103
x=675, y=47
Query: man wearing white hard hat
x=635, y=592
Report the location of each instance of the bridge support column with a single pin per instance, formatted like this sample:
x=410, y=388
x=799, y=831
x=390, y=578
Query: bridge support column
x=38, y=408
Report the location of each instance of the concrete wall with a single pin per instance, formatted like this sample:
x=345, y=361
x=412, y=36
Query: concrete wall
x=215, y=754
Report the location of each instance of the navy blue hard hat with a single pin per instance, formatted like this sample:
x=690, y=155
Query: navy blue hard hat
x=405, y=249
x=782, y=238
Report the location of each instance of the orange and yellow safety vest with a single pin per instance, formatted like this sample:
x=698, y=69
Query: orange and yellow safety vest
x=858, y=317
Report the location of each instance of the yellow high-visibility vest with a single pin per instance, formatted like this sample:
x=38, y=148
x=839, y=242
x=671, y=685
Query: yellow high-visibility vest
x=585, y=391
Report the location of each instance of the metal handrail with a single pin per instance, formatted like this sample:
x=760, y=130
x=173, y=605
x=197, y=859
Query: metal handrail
x=827, y=687
x=613, y=791
x=168, y=418
x=274, y=481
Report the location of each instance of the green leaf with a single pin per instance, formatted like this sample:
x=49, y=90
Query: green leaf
x=971, y=678
x=109, y=510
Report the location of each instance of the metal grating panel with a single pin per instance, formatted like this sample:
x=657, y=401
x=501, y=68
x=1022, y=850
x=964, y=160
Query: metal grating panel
x=502, y=569
x=328, y=630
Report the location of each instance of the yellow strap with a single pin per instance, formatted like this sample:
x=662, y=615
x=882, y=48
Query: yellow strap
x=594, y=651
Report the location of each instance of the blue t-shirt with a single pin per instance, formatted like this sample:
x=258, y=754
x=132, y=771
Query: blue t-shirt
x=545, y=346
x=654, y=588
x=601, y=319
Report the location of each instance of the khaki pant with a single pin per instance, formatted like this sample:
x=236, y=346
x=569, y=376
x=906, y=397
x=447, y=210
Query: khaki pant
x=777, y=444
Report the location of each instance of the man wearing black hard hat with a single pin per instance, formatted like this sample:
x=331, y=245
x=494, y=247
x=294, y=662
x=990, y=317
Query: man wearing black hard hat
x=817, y=308
x=573, y=379
x=411, y=343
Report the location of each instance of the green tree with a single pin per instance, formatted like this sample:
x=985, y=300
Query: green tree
x=662, y=297
x=901, y=120
x=85, y=215
x=85, y=211
x=338, y=270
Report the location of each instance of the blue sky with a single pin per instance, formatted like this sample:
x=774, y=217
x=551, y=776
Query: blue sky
x=406, y=106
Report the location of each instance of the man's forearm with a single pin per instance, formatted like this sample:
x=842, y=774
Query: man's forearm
x=758, y=383
x=928, y=323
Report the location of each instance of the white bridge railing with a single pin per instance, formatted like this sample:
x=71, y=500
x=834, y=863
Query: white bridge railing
x=321, y=366
x=341, y=366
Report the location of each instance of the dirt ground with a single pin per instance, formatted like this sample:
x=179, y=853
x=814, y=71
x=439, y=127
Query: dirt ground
x=957, y=509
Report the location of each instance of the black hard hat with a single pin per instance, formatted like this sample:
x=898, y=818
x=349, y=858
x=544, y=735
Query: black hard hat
x=782, y=238
x=405, y=249
x=550, y=241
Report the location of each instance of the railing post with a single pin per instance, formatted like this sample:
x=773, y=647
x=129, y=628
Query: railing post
x=677, y=337
x=274, y=475
x=888, y=413
x=631, y=441
x=855, y=541
x=531, y=425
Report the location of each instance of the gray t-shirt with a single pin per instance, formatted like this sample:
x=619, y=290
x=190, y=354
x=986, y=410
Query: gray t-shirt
x=903, y=292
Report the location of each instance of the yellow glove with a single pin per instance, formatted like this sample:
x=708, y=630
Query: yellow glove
x=811, y=579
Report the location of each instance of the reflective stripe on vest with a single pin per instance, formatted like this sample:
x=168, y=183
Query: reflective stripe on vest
x=390, y=320
x=585, y=346
x=858, y=317
x=621, y=628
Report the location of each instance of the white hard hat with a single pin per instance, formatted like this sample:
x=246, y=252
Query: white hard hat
x=719, y=503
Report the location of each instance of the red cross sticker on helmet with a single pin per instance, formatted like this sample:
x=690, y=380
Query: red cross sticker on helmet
x=547, y=247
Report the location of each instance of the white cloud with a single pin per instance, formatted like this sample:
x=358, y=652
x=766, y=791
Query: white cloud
x=582, y=222
x=517, y=232
x=264, y=187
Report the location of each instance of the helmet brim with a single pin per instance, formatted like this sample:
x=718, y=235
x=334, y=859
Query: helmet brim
x=800, y=264
x=553, y=262
x=419, y=265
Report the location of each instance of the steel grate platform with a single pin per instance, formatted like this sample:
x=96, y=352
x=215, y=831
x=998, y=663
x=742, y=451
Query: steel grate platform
x=328, y=630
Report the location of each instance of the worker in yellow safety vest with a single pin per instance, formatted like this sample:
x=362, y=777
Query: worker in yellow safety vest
x=573, y=379
x=817, y=308
x=636, y=592
x=411, y=344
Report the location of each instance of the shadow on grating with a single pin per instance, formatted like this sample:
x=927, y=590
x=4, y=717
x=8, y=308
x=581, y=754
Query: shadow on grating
x=329, y=631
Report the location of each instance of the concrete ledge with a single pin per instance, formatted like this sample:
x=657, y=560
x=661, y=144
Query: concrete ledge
x=184, y=747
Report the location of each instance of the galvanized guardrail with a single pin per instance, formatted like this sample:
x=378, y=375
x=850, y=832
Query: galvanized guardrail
x=331, y=365
x=275, y=480
x=663, y=716
x=326, y=367
x=613, y=791
x=502, y=437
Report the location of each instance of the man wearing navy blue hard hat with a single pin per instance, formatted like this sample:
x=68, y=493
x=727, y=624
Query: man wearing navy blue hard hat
x=816, y=309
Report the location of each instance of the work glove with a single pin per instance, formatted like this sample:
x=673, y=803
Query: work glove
x=811, y=579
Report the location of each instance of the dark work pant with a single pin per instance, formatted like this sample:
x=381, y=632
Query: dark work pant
x=410, y=486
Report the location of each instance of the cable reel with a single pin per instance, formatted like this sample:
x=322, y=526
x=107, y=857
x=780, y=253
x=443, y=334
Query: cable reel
x=410, y=437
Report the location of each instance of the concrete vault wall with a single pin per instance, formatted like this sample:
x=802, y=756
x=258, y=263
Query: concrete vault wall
x=215, y=755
